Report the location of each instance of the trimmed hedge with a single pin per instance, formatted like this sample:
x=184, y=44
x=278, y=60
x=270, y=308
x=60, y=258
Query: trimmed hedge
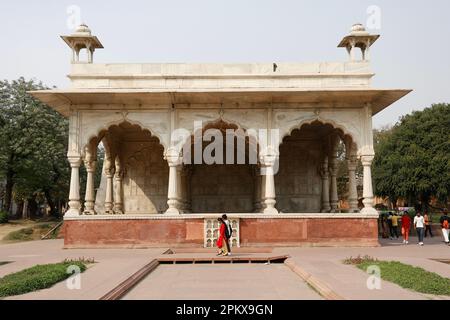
x=36, y=278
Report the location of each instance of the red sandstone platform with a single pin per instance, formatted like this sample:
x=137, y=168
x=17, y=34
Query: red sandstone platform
x=255, y=230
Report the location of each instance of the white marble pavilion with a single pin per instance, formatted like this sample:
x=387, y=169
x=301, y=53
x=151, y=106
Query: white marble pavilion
x=132, y=110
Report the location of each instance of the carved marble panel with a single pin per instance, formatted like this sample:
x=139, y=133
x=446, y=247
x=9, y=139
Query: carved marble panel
x=145, y=181
x=222, y=188
x=298, y=183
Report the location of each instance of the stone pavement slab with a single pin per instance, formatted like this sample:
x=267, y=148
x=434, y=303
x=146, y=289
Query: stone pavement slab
x=222, y=282
x=351, y=282
x=113, y=266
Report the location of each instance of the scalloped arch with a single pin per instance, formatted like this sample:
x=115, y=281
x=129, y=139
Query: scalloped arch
x=334, y=124
x=219, y=120
x=105, y=128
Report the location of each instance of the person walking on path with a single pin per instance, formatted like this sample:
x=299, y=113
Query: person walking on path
x=406, y=226
x=427, y=219
x=419, y=224
x=445, y=225
x=384, y=226
x=228, y=232
x=221, y=241
x=389, y=221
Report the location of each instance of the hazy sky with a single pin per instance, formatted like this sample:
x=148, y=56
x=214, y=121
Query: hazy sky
x=413, y=52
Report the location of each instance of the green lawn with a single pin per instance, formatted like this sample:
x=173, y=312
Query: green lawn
x=409, y=277
x=36, y=278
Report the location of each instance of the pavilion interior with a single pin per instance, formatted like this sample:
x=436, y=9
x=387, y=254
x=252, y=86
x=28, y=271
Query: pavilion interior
x=215, y=188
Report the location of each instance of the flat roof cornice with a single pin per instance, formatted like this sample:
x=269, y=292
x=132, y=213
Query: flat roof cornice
x=63, y=100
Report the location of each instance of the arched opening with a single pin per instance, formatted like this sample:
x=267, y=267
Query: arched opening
x=134, y=176
x=311, y=158
x=222, y=170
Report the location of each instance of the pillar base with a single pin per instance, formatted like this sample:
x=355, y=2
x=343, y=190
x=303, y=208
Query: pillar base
x=369, y=210
x=72, y=213
x=172, y=212
x=89, y=212
x=270, y=211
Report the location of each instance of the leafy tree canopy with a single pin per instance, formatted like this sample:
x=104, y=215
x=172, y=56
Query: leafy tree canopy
x=33, y=145
x=413, y=157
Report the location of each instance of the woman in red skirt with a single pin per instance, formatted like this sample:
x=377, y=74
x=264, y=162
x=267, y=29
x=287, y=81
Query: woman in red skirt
x=221, y=241
x=406, y=225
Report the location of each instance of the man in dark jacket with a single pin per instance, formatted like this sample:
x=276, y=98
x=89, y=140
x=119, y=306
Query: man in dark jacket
x=228, y=232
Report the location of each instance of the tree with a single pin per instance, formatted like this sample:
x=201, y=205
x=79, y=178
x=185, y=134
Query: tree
x=33, y=146
x=413, y=158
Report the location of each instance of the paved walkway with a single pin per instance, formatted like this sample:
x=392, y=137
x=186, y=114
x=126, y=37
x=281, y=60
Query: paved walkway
x=223, y=282
x=350, y=282
x=113, y=267
x=116, y=265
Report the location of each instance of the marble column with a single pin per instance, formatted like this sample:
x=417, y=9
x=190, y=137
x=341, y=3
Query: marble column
x=187, y=185
x=268, y=161
x=352, y=188
x=334, y=199
x=367, y=185
x=325, y=186
x=118, y=193
x=257, y=190
x=181, y=180
x=263, y=191
x=74, y=192
x=173, y=160
x=89, y=200
x=109, y=173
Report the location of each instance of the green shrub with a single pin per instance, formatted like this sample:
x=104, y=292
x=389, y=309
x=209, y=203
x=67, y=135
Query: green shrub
x=36, y=278
x=3, y=217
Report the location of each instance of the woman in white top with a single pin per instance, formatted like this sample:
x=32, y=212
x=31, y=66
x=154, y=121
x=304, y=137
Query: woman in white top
x=419, y=225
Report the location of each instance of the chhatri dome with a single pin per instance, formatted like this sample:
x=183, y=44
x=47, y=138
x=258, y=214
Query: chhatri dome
x=82, y=30
x=358, y=30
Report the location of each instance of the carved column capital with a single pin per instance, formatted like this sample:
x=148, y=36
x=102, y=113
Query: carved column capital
x=173, y=157
x=90, y=165
x=75, y=161
x=367, y=160
x=268, y=157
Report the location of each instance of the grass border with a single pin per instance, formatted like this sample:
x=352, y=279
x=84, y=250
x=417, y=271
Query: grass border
x=405, y=275
x=37, y=277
